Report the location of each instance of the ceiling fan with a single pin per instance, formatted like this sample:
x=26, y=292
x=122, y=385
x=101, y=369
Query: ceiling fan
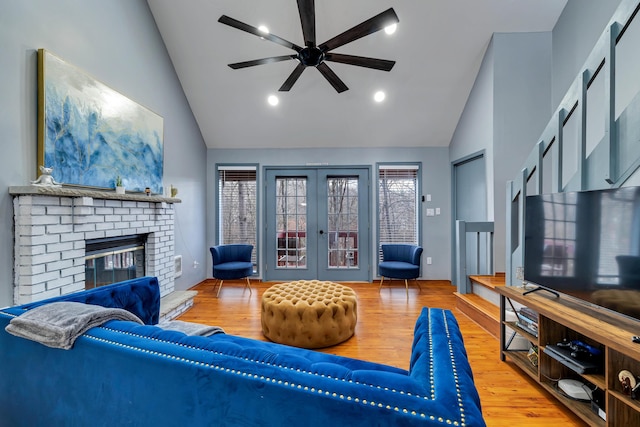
x=315, y=55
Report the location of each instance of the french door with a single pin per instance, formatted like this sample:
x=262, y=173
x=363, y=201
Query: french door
x=317, y=224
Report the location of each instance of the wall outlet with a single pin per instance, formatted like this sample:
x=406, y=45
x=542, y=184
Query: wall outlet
x=437, y=211
x=430, y=212
x=195, y=264
x=429, y=260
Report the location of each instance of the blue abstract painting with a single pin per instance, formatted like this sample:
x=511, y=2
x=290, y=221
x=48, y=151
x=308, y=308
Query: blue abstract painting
x=91, y=134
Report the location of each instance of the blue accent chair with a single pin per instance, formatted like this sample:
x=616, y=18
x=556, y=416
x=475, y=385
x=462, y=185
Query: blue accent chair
x=232, y=261
x=400, y=261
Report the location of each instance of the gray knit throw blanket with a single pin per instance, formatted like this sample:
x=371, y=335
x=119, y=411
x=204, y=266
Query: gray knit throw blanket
x=59, y=324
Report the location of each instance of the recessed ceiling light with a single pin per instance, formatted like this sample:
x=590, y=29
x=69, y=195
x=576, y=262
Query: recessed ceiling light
x=391, y=28
x=379, y=96
x=273, y=100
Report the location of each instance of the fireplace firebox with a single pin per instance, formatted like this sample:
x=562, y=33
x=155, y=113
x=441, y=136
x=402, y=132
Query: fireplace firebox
x=114, y=259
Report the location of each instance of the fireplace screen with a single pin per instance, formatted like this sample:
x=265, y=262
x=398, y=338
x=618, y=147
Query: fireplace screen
x=114, y=260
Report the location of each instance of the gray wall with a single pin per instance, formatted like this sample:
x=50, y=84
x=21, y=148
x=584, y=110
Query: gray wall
x=506, y=110
x=521, y=110
x=521, y=81
x=474, y=131
x=436, y=236
x=118, y=43
x=574, y=36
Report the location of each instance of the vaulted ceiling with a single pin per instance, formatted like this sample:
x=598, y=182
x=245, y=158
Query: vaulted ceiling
x=438, y=48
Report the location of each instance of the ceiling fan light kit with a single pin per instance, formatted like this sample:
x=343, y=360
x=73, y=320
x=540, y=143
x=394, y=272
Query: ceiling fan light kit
x=314, y=55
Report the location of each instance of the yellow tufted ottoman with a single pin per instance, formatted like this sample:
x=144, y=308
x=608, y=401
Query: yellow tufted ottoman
x=309, y=313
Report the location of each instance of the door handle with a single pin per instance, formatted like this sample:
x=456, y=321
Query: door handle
x=321, y=231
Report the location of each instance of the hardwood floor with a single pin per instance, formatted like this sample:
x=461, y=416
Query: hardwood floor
x=384, y=334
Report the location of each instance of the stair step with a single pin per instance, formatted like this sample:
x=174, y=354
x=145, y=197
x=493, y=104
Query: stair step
x=489, y=281
x=481, y=311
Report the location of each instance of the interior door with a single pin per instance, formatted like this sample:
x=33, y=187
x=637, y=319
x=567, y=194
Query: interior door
x=470, y=199
x=317, y=224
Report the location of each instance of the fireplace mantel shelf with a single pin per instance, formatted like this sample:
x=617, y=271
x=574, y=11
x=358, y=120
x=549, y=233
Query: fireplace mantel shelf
x=81, y=192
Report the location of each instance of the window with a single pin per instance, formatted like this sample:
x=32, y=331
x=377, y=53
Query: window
x=343, y=233
x=237, y=206
x=398, y=204
x=291, y=222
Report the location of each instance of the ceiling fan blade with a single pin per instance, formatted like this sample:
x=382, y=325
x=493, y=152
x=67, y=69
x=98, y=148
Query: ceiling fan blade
x=293, y=77
x=360, y=61
x=224, y=19
x=307, y=11
x=332, y=78
x=262, y=61
x=365, y=28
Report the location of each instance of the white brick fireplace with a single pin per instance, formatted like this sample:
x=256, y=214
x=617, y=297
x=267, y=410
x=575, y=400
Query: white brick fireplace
x=51, y=226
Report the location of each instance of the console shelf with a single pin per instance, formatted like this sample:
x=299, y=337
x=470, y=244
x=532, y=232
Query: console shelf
x=513, y=325
x=566, y=318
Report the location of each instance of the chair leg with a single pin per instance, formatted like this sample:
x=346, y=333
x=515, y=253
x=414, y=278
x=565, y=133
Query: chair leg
x=406, y=284
x=249, y=285
x=217, y=294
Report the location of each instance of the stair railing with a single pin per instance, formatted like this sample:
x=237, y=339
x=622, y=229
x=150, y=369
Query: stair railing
x=482, y=251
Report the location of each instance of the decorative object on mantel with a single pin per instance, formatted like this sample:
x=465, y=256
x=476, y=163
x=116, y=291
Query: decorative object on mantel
x=94, y=193
x=147, y=191
x=45, y=179
x=119, y=186
x=174, y=191
x=89, y=132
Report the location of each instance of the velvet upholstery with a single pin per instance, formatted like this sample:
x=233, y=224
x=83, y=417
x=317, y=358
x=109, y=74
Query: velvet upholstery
x=232, y=261
x=309, y=313
x=123, y=373
x=139, y=296
x=400, y=261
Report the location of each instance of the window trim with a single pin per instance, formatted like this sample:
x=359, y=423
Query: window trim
x=219, y=167
x=417, y=166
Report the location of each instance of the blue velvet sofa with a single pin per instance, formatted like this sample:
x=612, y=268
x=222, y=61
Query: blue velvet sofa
x=127, y=374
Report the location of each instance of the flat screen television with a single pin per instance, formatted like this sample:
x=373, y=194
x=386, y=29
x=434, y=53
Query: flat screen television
x=586, y=245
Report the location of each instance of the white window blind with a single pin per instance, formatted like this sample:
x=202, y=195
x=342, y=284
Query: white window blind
x=398, y=204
